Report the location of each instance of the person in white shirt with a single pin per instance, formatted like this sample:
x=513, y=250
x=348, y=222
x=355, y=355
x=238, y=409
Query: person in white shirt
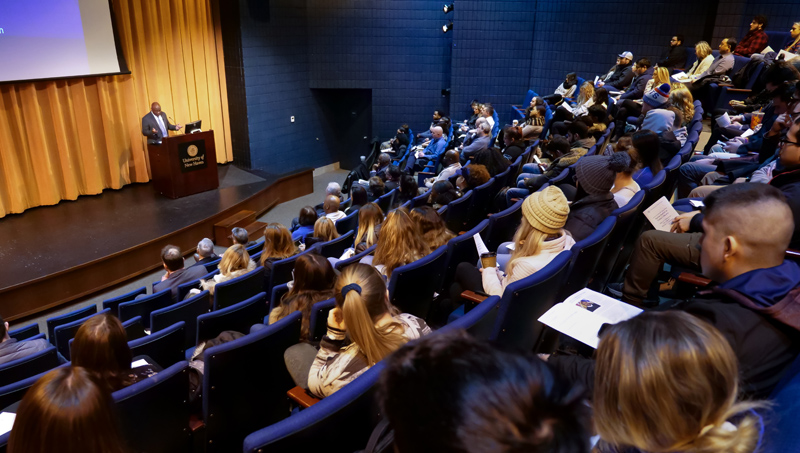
x=331, y=207
x=452, y=163
x=704, y=60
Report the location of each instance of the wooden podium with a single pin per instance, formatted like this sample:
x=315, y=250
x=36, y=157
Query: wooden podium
x=183, y=165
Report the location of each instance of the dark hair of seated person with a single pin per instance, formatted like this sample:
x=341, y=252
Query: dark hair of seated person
x=172, y=258
x=557, y=146
x=66, y=411
x=313, y=282
x=601, y=96
x=443, y=193
x=395, y=172
x=408, y=188
x=579, y=128
x=376, y=186
x=598, y=114
x=307, y=216
x=449, y=392
x=492, y=160
x=359, y=195
x=478, y=175
x=101, y=346
x=431, y=226
x=647, y=145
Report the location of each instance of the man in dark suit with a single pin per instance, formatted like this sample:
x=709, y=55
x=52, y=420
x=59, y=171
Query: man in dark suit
x=155, y=125
x=176, y=274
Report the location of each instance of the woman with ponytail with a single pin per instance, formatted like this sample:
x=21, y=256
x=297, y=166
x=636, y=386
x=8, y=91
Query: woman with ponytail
x=668, y=382
x=374, y=326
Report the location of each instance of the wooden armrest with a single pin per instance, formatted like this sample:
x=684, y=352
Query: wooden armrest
x=301, y=396
x=738, y=90
x=514, y=200
x=473, y=297
x=724, y=84
x=195, y=423
x=693, y=279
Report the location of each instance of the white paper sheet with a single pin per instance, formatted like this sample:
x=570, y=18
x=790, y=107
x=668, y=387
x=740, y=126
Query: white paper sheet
x=661, y=214
x=724, y=120
x=6, y=422
x=479, y=244
x=786, y=55
x=696, y=203
x=767, y=50
x=138, y=363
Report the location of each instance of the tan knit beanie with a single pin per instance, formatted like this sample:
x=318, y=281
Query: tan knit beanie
x=546, y=210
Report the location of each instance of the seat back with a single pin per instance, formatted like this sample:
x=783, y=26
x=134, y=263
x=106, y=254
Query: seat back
x=354, y=406
x=335, y=247
x=238, y=317
x=479, y=321
x=165, y=346
x=458, y=212
x=154, y=413
x=785, y=398
x=524, y=301
x=66, y=332
x=412, y=286
x=187, y=311
x=586, y=254
x=462, y=249
x=420, y=200
x=318, y=321
x=114, y=302
x=245, y=384
x=625, y=216
x=12, y=393
x=56, y=321
x=277, y=294
x=347, y=223
x=385, y=201
x=144, y=306
x=238, y=289
x=212, y=266
x=22, y=333
x=281, y=272
x=31, y=365
x=672, y=176
x=355, y=258
x=503, y=225
x=184, y=289
x=482, y=197
x=502, y=178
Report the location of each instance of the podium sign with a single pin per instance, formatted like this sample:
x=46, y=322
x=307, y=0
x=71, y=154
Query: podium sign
x=184, y=164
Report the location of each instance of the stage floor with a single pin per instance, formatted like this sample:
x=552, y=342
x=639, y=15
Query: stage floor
x=48, y=241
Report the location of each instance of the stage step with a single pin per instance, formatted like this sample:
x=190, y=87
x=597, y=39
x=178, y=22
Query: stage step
x=243, y=219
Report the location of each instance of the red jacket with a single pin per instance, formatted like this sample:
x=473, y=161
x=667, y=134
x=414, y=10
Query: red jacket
x=753, y=42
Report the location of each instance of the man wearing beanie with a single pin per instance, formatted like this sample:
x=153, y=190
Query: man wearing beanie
x=595, y=202
x=657, y=98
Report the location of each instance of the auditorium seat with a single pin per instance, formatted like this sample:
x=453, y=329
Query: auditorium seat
x=386, y=201
x=14, y=392
x=355, y=258
x=318, y=321
x=479, y=321
x=65, y=332
x=502, y=226
x=519, y=110
x=56, y=321
x=586, y=254
x=212, y=266
x=458, y=212
x=114, y=302
x=281, y=273
x=187, y=311
x=625, y=216
x=165, y=347
x=347, y=223
x=781, y=435
x=238, y=317
x=335, y=247
x=184, y=289
x=482, y=197
x=420, y=200
x=277, y=294
x=22, y=333
x=245, y=384
x=144, y=306
x=25, y=367
x=461, y=249
x=412, y=287
x=238, y=289
x=154, y=412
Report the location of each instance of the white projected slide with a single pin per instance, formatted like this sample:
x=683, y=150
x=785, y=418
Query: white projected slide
x=42, y=39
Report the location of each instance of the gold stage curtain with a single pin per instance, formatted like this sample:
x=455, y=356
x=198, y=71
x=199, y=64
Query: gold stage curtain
x=65, y=138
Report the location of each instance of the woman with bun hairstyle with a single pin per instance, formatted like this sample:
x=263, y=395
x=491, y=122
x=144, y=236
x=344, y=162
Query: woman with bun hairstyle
x=668, y=382
x=593, y=199
x=376, y=329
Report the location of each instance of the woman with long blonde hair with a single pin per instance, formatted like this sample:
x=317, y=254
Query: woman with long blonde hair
x=668, y=382
x=400, y=243
x=235, y=262
x=660, y=77
x=682, y=99
x=704, y=59
x=431, y=226
x=362, y=313
x=278, y=245
x=325, y=229
x=370, y=219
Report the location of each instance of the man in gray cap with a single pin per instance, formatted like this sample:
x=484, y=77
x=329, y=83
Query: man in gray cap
x=620, y=76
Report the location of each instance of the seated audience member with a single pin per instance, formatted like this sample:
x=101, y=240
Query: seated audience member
x=331, y=208
x=442, y=193
x=475, y=106
x=598, y=116
x=325, y=230
x=557, y=146
x=535, y=119
x=313, y=281
x=660, y=77
x=704, y=59
x=66, y=411
x=240, y=236
x=755, y=40
x=428, y=134
x=753, y=303
x=380, y=167
x=532, y=176
x=481, y=141
x=176, y=274
x=451, y=163
x=515, y=146
x=538, y=239
x=374, y=327
x=334, y=189
x=682, y=100
x=594, y=200
x=645, y=401
x=472, y=176
x=392, y=181
x=658, y=98
x=493, y=159
x=306, y=221
x=11, y=349
x=205, y=252
x=359, y=197
x=661, y=123
x=399, y=243
x=643, y=159
x=675, y=56
x=370, y=219
x=418, y=160
x=235, y=263
x=101, y=347
x=718, y=68
x=599, y=100
x=472, y=134
x=487, y=111
x=620, y=76
x=278, y=245
x=408, y=189
x=584, y=100
x=646, y=143
x=643, y=72
x=565, y=90
x=401, y=139
x=376, y=188
x=450, y=392
x=431, y=226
